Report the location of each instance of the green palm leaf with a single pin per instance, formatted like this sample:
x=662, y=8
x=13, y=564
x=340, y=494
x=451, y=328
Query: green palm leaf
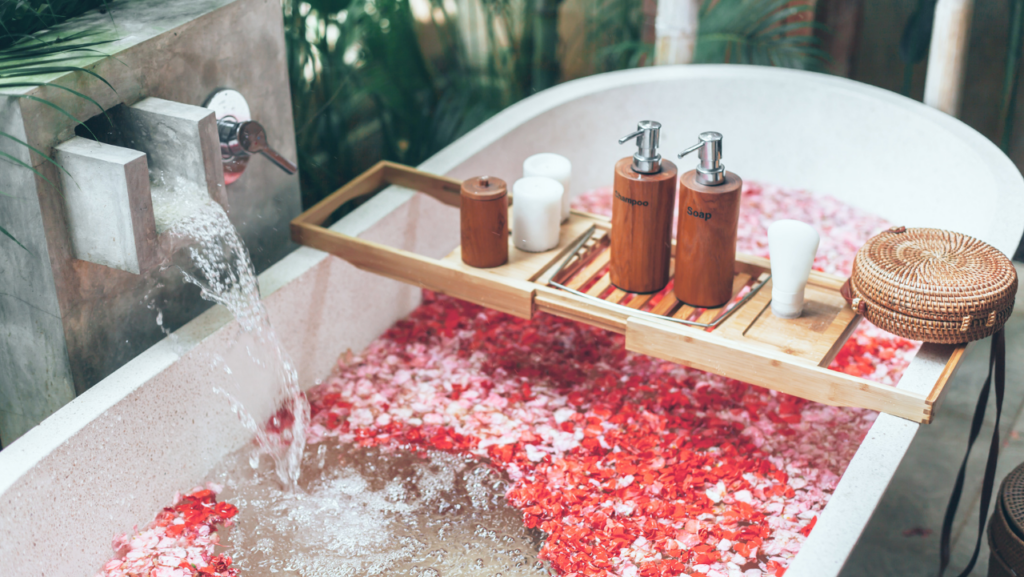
x=11, y=236
x=42, y=154
x=757, y=32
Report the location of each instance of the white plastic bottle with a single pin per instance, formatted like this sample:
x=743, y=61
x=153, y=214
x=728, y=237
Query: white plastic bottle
x=791, y=247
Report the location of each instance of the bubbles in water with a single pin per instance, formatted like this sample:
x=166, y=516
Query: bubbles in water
x=375, y=512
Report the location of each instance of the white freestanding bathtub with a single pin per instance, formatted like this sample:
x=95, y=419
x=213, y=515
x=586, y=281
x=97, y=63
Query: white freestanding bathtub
x=114, y=456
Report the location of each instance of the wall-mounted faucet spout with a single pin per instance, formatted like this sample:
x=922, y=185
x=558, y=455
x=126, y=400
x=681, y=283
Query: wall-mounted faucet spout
x=120, y=195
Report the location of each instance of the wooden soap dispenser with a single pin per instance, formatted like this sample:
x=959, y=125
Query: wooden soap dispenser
x=709, y=214
x=642, y=207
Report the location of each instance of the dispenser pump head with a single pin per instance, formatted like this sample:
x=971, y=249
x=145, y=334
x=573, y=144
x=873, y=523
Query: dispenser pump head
x=646, y=160
x=710, y=170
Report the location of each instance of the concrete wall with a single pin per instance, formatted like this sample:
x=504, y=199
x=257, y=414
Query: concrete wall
x=66, y=324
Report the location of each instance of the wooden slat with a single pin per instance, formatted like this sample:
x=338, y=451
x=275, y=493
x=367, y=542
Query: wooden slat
x=639, y=301
x=839, y=337
x=948, y=372
x=600, y=286
x=602, y=222
x=595, y=266
x=577, y=263
x=738, y=282
x=616, y=296
x=665, y=305
x=684, y=312
x=935, y=396
x=710, y=352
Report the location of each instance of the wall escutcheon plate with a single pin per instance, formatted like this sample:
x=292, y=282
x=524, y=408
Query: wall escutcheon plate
x=227, y=103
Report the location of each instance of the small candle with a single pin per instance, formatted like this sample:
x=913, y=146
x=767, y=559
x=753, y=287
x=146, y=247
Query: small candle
x=553, y=166
x=536, y=213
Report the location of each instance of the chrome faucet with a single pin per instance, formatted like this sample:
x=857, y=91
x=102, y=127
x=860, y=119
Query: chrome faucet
x=240, y=136
x=240, y=140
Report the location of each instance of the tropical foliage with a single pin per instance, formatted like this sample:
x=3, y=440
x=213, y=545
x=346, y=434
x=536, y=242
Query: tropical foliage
x=400, y=79
x=365, y=87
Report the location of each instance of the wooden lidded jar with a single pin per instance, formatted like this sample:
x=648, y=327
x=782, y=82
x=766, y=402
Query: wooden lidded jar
x=642, y=206
x=709, y=216
x=484, y=222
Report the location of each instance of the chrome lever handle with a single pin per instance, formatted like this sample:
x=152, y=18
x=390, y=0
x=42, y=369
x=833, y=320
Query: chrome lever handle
x=253, y=139
x=281, y=162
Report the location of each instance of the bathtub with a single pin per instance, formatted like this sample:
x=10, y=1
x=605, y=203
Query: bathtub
x=113, y=457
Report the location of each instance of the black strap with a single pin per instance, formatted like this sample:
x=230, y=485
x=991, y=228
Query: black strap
x=996, y=364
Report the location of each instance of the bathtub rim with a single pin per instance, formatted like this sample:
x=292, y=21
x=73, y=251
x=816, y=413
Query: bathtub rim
x=861, y=486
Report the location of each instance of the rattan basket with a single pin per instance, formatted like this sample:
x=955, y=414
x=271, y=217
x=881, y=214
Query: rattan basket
x=932, y=285
x=996, y=566
x=1006, y=528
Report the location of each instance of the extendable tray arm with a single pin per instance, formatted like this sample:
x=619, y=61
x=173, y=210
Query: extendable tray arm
x=506, y=295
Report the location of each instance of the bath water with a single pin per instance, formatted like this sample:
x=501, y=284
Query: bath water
x=367, y=511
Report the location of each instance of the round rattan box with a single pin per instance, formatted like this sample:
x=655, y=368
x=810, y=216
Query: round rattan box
x=1006, y=528
x=932, y=285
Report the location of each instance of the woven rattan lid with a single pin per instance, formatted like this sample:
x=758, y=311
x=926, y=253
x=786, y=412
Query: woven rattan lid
x=923, y=283
x=1012, y=498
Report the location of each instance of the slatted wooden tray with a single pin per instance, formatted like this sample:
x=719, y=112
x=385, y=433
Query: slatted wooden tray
x=742, y=340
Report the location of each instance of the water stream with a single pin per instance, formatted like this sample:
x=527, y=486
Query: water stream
x=259, y=380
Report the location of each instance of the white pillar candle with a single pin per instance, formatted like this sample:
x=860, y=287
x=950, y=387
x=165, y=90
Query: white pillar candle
x=536, y=213
x=791, y=246
x=553, y=166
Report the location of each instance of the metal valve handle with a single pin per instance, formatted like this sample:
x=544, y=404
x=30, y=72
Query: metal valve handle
x=241, y=136
x=253, y=139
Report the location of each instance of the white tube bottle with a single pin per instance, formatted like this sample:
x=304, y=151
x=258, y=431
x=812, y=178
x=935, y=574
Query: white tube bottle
x=791, y=247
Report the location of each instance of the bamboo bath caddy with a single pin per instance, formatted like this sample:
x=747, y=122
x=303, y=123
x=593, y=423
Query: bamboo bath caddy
x=742, y=340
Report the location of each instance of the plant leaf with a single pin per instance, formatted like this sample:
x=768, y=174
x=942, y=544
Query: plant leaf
x=11, y=236
x=55, y=69
x=24, y=164
x=57, y=108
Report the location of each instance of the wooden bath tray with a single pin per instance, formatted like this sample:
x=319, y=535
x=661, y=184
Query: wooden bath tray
x=743, y=340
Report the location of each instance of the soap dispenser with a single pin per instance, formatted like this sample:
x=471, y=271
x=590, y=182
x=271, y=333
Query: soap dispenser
x=642, y=209
x=709, y=215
